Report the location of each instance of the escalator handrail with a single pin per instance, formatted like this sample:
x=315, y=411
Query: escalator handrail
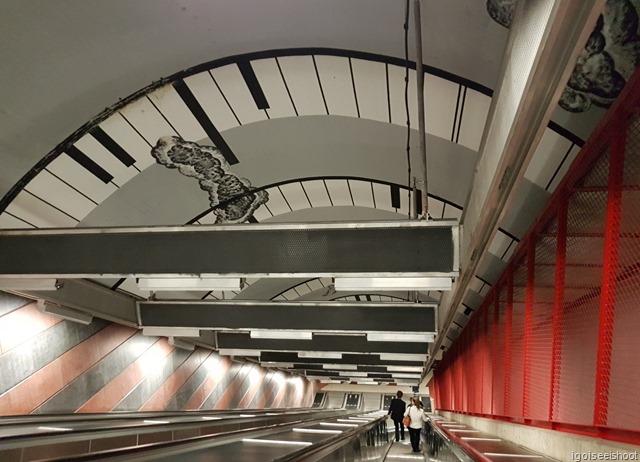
x=181, y=446
x=19, y=420
x=328, y=446
x=100, y=431
x=450, y=442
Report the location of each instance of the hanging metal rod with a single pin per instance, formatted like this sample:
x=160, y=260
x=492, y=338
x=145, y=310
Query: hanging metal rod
x=424, y=214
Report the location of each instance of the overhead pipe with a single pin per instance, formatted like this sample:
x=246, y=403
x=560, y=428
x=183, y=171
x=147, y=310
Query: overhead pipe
x=424, y=214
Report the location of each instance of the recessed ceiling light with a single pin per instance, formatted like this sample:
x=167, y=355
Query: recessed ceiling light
x=238, y=352
x=187, y=283
x=392, y=283
x=170, y=332
x=320, y=354
x=282, y=334
x=344, y=367
x=401, y=337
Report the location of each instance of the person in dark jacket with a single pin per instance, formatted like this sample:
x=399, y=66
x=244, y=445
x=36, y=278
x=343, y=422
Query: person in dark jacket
x=396, y=411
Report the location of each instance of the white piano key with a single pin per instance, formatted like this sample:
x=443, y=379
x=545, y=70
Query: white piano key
x=273, y=87
x=371, y=88
x=103, y=157
x=295, y=196
x=132, y=142
x=335, y=77
x=80, y=178
x=234, y=88
x=301, y=79
x=60, y=195
x=39, y=213
x=169, y=102
x=213, y=103
x=474, y=117
x=147, y=120
x=362, y=193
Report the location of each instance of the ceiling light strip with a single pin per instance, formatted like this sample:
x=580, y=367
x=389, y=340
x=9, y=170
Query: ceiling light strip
x=187, y=283
x=426, y=337
x=282, y=334
x=170, y=332
x=392, y=283
x=320, y=354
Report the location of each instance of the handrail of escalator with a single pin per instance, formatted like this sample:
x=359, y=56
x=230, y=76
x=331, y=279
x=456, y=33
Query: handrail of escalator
x=103, y=432
x=32, y=419
x=322, y=449
x=150, y=451
x=51, y=437
x=439, y=443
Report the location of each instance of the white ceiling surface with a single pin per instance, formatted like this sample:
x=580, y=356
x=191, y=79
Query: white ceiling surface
x=56, y=78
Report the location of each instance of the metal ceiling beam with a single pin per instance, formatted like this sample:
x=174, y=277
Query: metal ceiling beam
x=310, y=316
x=395, y=248
x=350, y=343
x=91, y=298
x=325, y=373
x=318, y=367
x=357, y=359
x=545, y=40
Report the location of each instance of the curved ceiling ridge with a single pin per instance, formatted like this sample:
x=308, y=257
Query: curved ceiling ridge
x=325, y=178
x=347, y=178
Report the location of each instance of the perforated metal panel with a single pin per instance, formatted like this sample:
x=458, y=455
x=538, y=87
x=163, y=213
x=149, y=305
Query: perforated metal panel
x=531, y=21
x=315, y=316
x=411, y=247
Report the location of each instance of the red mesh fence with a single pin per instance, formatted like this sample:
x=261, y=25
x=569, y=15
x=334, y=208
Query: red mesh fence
x=515, y=373
x=540, y=327
x=624, y=397
x=556, y=341
x=499, y=353
x=487, y=369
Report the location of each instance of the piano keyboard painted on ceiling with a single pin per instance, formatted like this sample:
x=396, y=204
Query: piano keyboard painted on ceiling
x=292, y=85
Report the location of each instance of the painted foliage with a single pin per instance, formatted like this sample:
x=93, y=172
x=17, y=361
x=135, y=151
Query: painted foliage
x=209, y=167
x=608, y=59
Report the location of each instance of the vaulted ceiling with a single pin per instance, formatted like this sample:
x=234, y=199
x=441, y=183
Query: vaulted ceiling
x=304, y=102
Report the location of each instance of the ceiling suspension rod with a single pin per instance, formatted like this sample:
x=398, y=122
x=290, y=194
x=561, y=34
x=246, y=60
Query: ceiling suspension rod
x=424, y=214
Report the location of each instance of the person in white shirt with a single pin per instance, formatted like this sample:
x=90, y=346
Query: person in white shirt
x=418, y=418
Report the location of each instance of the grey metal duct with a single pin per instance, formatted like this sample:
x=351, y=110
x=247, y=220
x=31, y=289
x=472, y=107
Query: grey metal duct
x=398, y=248
x=358, y=359
x=313, y=316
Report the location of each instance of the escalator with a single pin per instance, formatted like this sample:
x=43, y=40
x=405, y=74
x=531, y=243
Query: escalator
x=323, y=433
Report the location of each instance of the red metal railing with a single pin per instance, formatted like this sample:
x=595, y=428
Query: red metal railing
x=556, y=341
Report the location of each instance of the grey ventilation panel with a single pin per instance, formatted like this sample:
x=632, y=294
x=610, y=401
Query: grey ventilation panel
x=406, y=248
x=314, y=316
